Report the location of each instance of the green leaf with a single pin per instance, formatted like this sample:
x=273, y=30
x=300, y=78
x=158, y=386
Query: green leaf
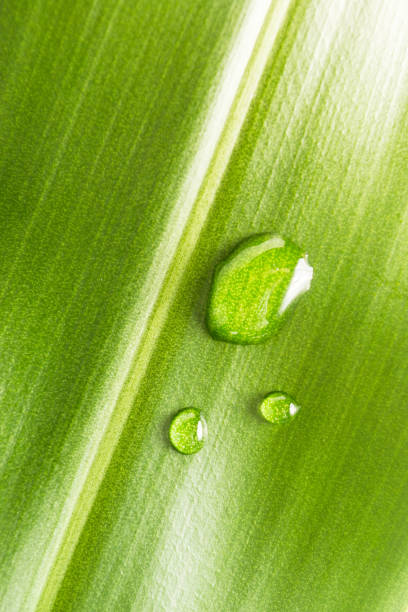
x=141, y=142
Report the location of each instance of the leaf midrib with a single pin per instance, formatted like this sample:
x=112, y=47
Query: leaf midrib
x=201, y=204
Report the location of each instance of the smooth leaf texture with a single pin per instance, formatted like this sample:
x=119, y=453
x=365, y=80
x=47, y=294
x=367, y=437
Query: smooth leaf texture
x=140, y=143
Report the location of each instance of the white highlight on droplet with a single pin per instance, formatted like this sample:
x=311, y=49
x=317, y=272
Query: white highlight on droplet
x=200, y=432
x=293, y=409
x=299, y=283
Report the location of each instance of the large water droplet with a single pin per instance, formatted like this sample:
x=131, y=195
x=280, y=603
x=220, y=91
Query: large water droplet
x=188, y=431
x=253, y=288
x=278, y=407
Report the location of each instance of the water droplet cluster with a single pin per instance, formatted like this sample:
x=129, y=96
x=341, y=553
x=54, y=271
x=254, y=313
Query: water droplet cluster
x=250, y=297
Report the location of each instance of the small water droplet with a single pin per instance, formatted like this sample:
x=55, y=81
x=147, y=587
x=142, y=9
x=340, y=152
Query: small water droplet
x=253, y=288
x=278, y=407
x=188, y=431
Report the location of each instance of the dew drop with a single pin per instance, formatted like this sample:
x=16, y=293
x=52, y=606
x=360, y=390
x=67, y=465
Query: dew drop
x=253, y=288
x=188, y=431
x=278, y=407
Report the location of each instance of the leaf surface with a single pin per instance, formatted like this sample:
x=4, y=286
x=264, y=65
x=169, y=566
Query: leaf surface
x=141, y=143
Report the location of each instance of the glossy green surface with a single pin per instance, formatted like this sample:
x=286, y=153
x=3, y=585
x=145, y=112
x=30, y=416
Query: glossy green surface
x=140, y=143
x=278, y=408
x=188, y=431
x=247, y=303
